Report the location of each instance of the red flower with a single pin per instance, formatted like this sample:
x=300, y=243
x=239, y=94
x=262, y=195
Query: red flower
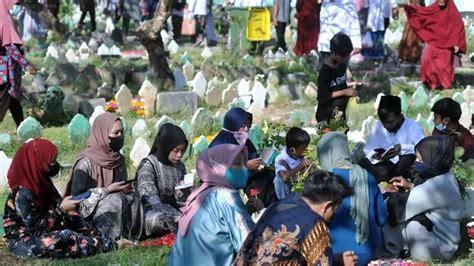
x=166, y=240
x=470, y=232
x=254, y=192
x=327, y=130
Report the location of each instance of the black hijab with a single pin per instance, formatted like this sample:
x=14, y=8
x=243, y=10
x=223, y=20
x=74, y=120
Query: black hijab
x=437, y=153
x=169, y=136
x=233, y=121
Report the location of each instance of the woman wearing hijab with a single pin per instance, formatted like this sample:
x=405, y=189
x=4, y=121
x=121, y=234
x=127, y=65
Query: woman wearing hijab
x=12, y=64
x=357, y=224
x=425, y=215
x=101, y=169
x=307, y=13
x=214, y=222
x=37, y=221
x=441, y=28
x=237, y=123
x=157, y=176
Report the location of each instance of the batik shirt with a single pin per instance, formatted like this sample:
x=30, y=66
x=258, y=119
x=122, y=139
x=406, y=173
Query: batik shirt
x=7, y=69
x=288, y=233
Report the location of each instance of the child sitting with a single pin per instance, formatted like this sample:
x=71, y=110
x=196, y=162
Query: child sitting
x=290, y=161
x=333, y=90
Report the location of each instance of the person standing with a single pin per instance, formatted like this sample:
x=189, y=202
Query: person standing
x=308, y=26
x=12, y=64
x=335, y=17
x=410, y=47
x=441, y=28
x=87, y=6
x=377, y=22
x=281, y=19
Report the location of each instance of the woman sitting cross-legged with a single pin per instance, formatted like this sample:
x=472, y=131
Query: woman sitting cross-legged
x=157, y=176
x=424, y=216
x=214, y=222
x=357, y=224
x=37, y=221
x=112, y=207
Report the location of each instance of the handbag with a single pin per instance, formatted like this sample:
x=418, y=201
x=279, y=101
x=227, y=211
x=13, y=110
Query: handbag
x=188, y=27
x=367, y=41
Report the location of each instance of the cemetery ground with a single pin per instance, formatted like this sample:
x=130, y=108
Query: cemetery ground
x=278, y=112
x=156, y=255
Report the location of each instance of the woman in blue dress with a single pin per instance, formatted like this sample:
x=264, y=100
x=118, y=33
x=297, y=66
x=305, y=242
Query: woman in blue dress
x=215, y=222
x=357, y=225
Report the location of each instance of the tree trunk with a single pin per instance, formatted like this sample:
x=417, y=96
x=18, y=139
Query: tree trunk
x=46, y=16
x=149, y=35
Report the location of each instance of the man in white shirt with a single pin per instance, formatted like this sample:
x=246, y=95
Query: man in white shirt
x=390, y=149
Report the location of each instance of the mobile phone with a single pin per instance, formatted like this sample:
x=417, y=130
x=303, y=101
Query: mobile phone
x=130, y=181
x=379, y=150
x=82, y=196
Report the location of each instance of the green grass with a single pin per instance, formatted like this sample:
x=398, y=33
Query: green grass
x=157, y=256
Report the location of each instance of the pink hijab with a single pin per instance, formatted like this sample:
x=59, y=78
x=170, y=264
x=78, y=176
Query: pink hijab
x=210, y=166
x=8, y=33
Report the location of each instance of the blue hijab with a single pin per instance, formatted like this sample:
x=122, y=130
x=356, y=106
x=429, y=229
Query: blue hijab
x=233, y=121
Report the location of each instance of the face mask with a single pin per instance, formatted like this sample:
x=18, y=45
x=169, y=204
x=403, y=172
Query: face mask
x=116, y=143
x=241, y=137
x=237, y=177
x=441, y=127
x=54, y=170
x=421, y=168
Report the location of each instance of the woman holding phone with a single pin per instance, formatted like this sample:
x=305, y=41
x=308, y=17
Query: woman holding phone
x=37, y=221
x=237, y=124
x=157, y=176
x=112, y=207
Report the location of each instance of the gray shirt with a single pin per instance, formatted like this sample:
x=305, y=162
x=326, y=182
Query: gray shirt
x=283, y=11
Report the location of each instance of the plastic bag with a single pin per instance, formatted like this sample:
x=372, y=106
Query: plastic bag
x=352, y=111
x=188, y=27
x=367, y=41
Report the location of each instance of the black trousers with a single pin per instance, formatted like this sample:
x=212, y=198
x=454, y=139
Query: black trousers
x=92, y=16
x=12, y=104
x=280, y=32
x=177, y=22
x=384, y=171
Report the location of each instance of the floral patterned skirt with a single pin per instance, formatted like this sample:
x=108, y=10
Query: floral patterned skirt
x=60, y=244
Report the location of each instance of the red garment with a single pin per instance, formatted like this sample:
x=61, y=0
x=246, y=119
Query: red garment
x=308, y=26
x=440, y=29
x=29, y=169
x=437, y=67
x=463, y=138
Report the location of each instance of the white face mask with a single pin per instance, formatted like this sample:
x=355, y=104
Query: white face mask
x=240, y=136
x=441, y=127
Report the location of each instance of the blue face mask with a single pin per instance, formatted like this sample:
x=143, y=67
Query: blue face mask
x=421, y=168
x=237, y=177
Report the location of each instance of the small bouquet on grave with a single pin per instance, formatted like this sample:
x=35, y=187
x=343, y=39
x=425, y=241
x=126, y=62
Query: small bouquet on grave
x=167, y=240
x=137, y=107
x=111, y=106
x=470, y=233
x=397, y=262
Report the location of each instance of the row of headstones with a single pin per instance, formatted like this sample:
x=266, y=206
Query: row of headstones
x=84, y=51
